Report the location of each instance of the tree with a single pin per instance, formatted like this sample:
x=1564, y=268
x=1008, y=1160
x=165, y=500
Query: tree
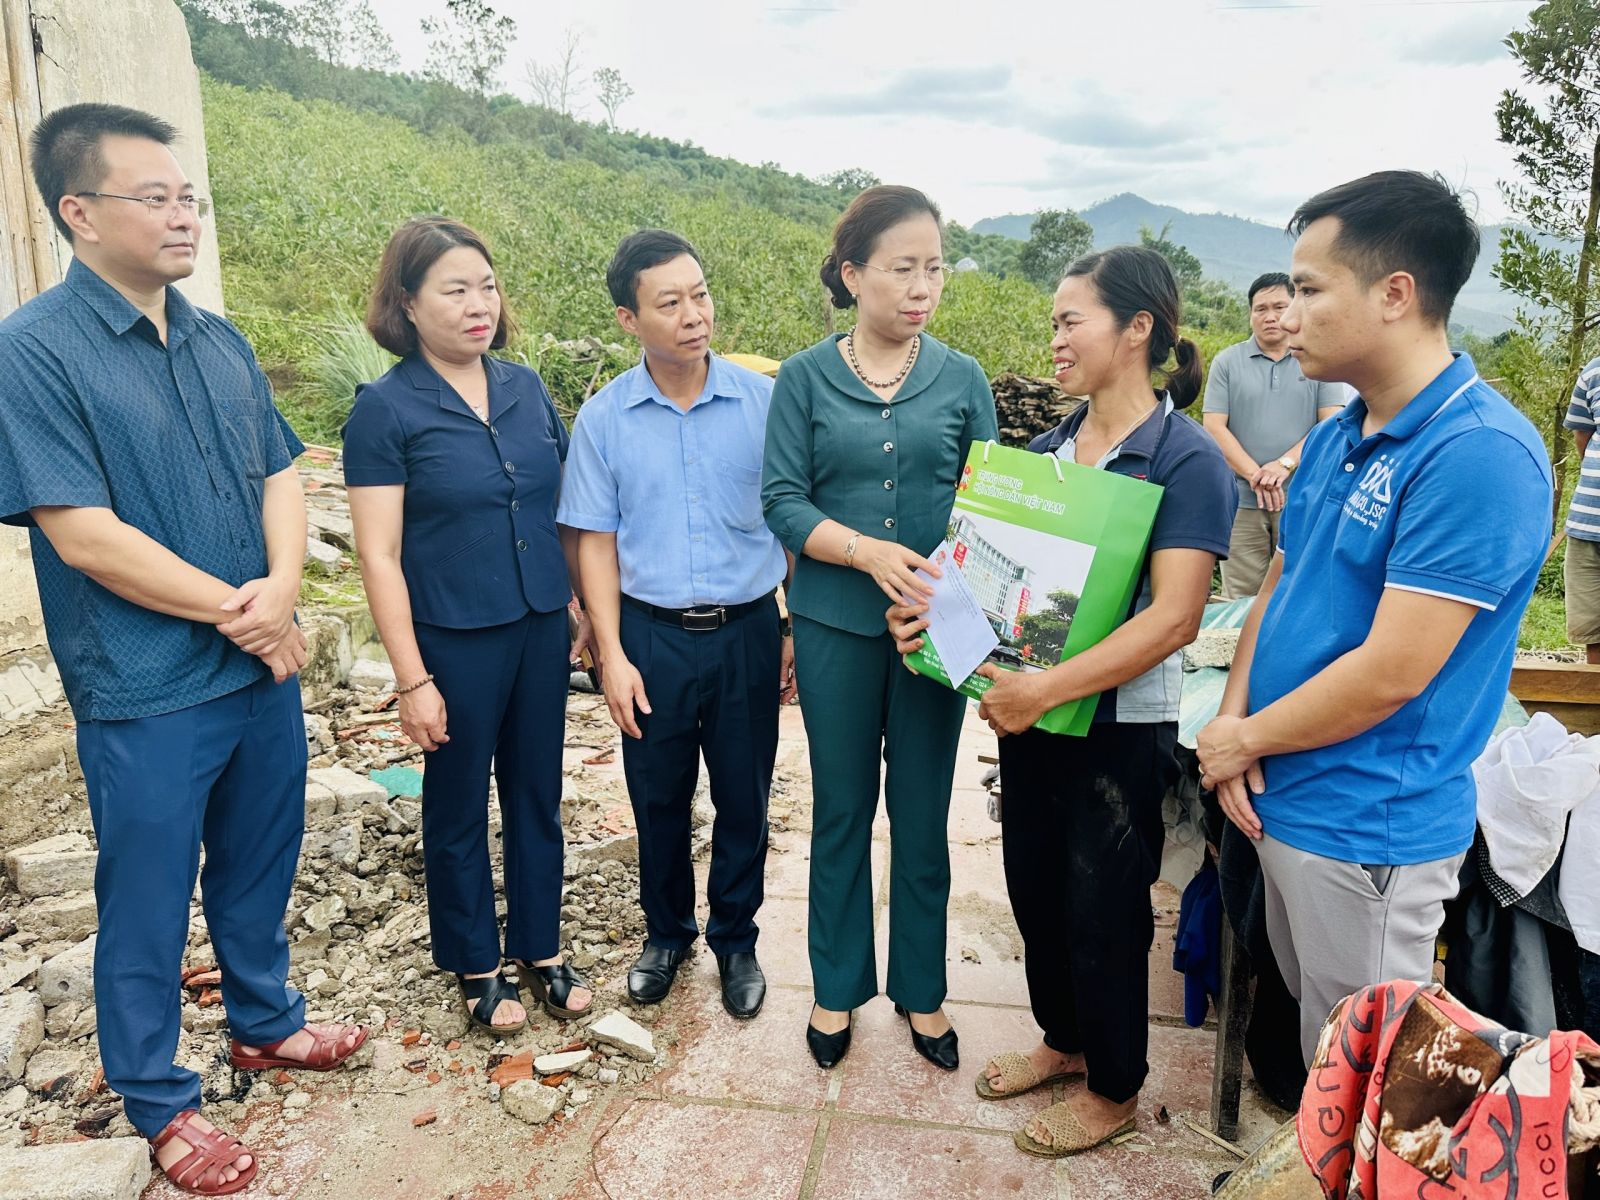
x=556, y=84
x=1044, y=631
x=612, y=93
x=1056, y=237
x=1556, y=147
x=467, y=45
x=1184, y=264
x=849, y=182
x=342, y=33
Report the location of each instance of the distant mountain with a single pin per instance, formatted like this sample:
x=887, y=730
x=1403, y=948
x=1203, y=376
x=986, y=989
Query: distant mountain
x=1237, y=250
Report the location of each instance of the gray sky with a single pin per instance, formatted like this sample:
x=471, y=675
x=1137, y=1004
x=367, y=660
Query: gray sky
x=1240, y=106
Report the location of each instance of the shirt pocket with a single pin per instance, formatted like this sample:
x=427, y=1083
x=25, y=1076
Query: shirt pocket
x=241, y=421
x=740, y=489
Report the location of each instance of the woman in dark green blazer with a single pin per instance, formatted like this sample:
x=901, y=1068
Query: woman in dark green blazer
x=865, y=442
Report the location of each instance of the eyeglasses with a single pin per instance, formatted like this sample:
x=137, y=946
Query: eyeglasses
x=906, y=276
x=198, y=205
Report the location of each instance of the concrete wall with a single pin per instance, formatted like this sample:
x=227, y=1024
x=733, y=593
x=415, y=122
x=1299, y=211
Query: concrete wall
x=59, y=52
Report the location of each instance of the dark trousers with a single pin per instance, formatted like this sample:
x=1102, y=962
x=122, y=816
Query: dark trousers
x=505, y=695
x=1082, y=833
x=868, y=720
x=712, y=693
x=228, y=774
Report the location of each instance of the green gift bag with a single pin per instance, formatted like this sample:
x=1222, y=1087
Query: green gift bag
x=1052, y=551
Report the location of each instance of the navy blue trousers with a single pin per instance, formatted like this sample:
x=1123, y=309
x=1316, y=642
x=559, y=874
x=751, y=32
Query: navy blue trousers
x=228, y=774
x=505, y=695
x=712, y=693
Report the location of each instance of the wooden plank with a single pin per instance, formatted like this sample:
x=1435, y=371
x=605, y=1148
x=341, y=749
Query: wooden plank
x=1577, y=718
x=1566, y=683
x=1233, y=1018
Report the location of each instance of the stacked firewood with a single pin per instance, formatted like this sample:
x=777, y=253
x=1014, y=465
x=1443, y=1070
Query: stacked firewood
x=1027, y=407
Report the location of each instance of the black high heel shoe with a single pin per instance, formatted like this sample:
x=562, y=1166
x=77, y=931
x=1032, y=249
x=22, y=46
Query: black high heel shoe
x=942, y=1051
x=829, y=1048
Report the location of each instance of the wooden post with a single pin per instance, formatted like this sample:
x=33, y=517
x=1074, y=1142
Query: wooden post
x=1233, y=1018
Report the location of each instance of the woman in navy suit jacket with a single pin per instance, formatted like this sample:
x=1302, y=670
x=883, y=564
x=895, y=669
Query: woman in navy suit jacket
x=453, y=462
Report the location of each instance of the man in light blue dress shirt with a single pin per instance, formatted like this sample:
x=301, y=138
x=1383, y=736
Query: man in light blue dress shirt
x=678, y=573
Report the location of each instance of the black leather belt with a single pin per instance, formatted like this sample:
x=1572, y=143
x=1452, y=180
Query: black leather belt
x=702, y=618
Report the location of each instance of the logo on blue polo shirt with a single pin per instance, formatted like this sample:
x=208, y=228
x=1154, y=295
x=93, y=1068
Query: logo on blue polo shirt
x=1370, y=501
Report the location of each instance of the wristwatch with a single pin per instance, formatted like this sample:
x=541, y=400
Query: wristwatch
x=1287, y=463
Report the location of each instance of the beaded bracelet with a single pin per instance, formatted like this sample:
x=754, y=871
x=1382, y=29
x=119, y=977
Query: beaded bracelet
x=411, y=687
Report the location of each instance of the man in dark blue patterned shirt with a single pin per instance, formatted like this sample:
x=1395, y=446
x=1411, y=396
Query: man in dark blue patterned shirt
x=139, y=440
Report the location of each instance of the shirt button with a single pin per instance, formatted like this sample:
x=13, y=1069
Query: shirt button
x=886, y=414
x=522, y=543
x=888, y=485
x=515, y=505
x=887, y=447
x=1349, y=466
x=511, y=468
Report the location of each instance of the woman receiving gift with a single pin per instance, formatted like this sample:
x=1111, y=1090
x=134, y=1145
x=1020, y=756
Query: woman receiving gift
x=865, y=441
x=1081, y=818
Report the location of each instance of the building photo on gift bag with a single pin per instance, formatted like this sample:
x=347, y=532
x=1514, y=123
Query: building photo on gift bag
x=1050, y=552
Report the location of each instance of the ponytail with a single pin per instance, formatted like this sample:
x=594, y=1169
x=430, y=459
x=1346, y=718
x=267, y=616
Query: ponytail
x=1183, y=383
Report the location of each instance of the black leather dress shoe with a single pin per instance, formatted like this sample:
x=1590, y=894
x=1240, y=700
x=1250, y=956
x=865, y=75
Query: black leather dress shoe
x=651, y=977
x=744, y=987
x=828, y=1048
x=942, y=1051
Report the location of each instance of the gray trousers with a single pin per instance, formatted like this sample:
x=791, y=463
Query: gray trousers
x=1337, y=927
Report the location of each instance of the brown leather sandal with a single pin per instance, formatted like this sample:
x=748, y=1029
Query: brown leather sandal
x=328, y=1051
x=199, y=1172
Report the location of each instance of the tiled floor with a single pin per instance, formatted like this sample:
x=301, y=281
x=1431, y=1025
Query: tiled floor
x=740, y=1112
x=744, y=1114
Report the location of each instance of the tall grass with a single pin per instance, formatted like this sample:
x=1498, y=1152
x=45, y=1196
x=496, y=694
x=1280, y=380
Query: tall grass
x=341, y=359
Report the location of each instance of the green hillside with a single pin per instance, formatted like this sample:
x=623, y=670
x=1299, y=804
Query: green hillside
x=308, y=192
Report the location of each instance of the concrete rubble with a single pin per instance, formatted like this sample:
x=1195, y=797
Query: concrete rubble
x=358, y=933
x=112, y=1169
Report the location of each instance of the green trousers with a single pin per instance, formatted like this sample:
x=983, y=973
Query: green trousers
x=863, y=708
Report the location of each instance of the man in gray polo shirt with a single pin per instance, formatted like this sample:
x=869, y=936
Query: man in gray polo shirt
x=1259, y=407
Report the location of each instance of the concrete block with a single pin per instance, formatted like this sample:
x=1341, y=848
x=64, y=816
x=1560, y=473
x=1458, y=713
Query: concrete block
x=21, y=1031
x=53, y=867
x=551, y=1064
x=14, y=970
x=532, y=1102
x=1212, y=648
x=69, y=976
x=350, y=791
x=320, y=802
x=52, y=1072
x=60, y=918
x=372, y=675
x=320, y=552
x=626, y=1034
x=107, y=1169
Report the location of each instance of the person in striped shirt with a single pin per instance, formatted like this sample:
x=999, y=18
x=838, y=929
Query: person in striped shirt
x=1583, y=517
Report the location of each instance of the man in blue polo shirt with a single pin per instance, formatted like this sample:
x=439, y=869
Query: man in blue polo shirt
x=677, y=571
x=1375, y=661
x=139, y=441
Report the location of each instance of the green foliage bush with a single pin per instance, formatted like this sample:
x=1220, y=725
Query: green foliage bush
x=308, y=192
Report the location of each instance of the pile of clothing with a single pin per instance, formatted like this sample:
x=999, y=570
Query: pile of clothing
x=1412, y=1094
x=1522, y=937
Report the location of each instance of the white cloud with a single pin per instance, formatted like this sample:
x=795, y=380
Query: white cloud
x=1012, y=106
